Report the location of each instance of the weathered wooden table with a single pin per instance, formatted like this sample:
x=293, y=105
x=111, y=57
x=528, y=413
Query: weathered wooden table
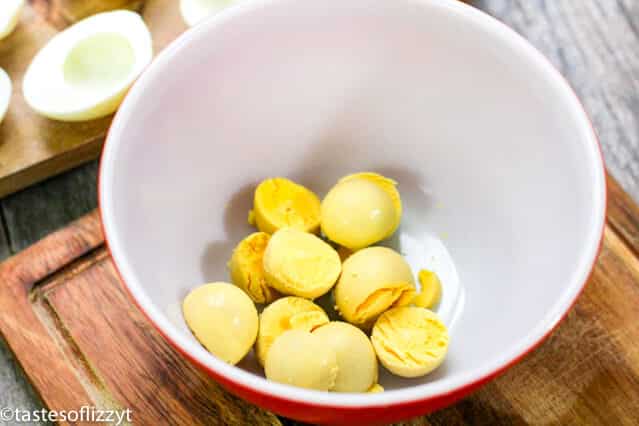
x=595, y=44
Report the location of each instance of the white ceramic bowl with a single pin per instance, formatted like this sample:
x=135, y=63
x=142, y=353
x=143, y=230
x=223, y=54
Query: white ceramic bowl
x=498, y=166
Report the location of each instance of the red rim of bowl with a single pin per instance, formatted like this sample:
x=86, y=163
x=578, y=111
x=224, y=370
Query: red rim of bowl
x=454, y=393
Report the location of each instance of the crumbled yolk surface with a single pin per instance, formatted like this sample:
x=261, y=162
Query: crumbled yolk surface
x=373, y=280
x=410, y=341
x=247, y=268
x=285, y=266
x=281, y=203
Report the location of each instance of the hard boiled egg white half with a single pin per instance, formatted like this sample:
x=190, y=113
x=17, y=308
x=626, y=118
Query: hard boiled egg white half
x=194, y=11
x=9, y=16
x=5, y=93
x=84, y=71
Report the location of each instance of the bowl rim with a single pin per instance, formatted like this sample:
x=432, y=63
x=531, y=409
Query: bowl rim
x=456, y=385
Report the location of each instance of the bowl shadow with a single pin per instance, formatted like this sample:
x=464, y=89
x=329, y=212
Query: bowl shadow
x=235, y=222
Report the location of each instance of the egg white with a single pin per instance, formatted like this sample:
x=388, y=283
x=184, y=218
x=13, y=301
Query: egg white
x=5, y=93
x=9, y=16
x=83, y=72
x=195, y=11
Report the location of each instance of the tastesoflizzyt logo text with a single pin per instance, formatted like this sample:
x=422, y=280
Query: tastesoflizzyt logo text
x=84, y=414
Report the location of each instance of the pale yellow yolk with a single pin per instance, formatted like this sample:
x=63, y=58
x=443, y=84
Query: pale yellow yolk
x=100, y=61
x=373, y=280
x=223, y=318
x=431, y=289
x=281, y=203
x=410, y=341
x=300, y=264
x=84, y=72
x=247, y=268
x=355, y=356
x=388, y=185
x=357, y=213
x=376, y=388
x=301, y=359
x=287, y=313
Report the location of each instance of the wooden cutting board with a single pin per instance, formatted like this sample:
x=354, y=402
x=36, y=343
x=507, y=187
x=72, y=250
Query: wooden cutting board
x=32, y=147
x=81, y=341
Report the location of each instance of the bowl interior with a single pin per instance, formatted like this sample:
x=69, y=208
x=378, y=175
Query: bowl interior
x=499, y=171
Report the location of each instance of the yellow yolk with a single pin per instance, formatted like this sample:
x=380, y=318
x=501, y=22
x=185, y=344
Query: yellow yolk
x=373, y=280
x=287, y=313
x=388, y=185
x=355, y=356
x=410, y=341
x=376, y=388
x=281, y=203
x=299, y=358
x=247, y=270
x=223, y=318
x=431, y=289
x=357, y=213
x=300, y=264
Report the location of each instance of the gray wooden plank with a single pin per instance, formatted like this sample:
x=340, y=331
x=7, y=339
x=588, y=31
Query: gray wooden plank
x=15, y=390
x=30, y=215
x=41, y=209
x=595, y=44
x=5, y=250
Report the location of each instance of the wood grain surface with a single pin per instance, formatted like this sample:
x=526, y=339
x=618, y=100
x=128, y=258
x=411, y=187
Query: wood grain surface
x=595, y=45
x=81, y=342
x=33, y=147
x=74, y=10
